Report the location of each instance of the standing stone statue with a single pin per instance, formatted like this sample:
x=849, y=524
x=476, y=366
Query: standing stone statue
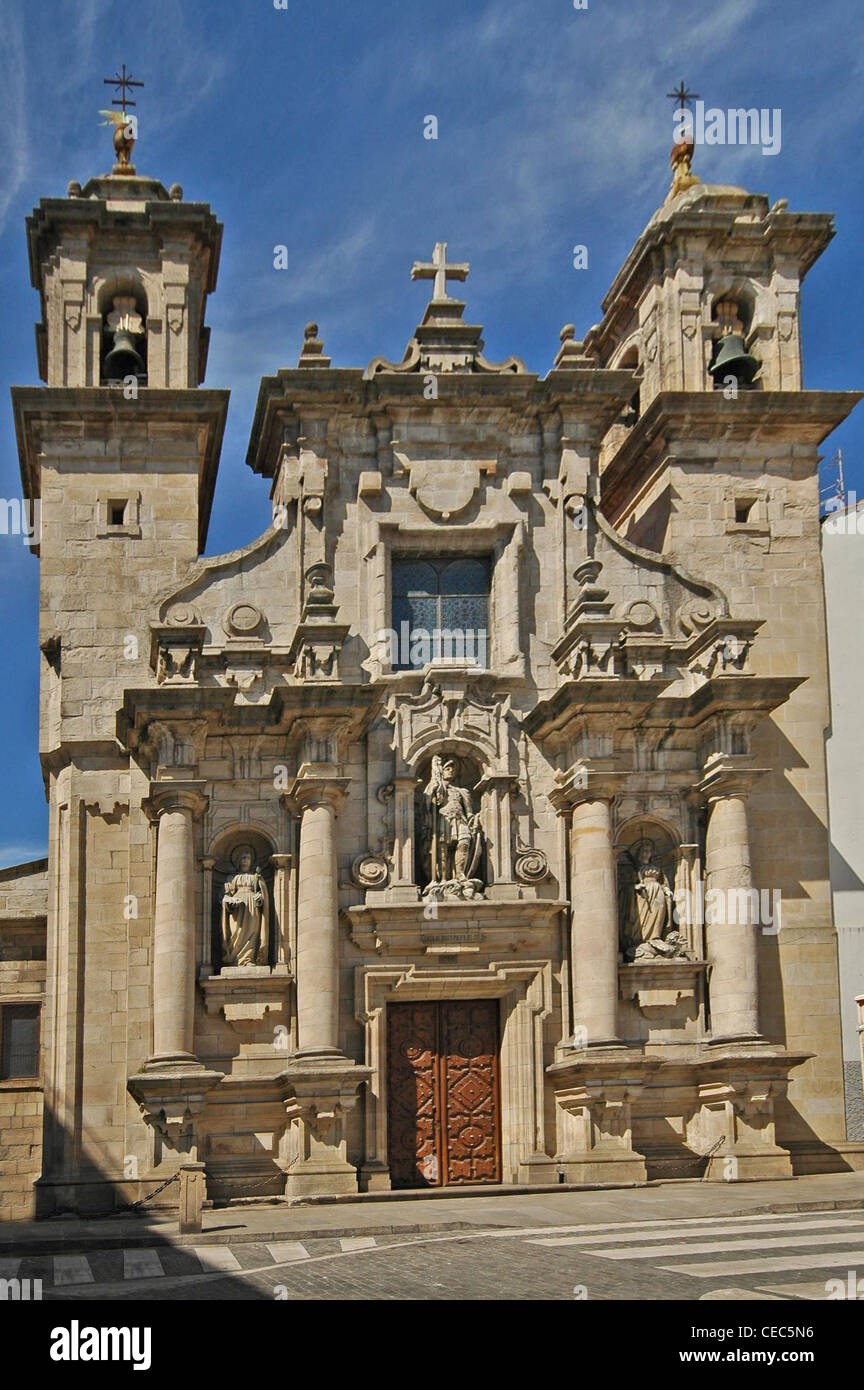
x=646, y=929
x=245, y=915
x=456, y=837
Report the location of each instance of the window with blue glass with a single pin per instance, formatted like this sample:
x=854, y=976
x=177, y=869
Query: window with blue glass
x=440, y=611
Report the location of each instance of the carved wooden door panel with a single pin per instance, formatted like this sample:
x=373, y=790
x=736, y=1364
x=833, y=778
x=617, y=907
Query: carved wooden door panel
x=469, y=1083
x=413, y=1108
x=443, y=1107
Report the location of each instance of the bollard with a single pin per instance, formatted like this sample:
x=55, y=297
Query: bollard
x=193, y=1190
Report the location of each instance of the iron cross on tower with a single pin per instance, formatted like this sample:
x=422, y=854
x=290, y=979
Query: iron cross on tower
x=120, y=82
x=438, y=270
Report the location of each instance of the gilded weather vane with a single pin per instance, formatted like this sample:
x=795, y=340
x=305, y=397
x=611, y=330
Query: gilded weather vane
x=125, y=125
x=682, y=150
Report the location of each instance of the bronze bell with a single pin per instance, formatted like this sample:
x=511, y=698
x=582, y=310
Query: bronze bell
x=732, y=360
x=123, y=360
x=126, y=324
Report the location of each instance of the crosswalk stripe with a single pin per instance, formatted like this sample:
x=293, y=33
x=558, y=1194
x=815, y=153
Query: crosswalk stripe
x=723, y=1247
x=287, y=1251
x=142, y=1264
x=674, y=1228
x=837, y=1259
x=72, y=1269
x=9, y=1268
x=216, y=1257
x=661, y=1224
x=813, y=1292
x=357, y=1242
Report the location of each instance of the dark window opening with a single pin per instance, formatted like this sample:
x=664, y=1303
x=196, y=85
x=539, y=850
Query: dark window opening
x=440, y=611
x=116, y=513
x=742, y=511
x=19, y=1045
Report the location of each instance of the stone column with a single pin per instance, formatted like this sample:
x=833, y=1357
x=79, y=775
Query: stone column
x=317, y=966
x=320, y=1081
x=174, y=919
x=172, y=1085
x=594, y=924
x=732, y=931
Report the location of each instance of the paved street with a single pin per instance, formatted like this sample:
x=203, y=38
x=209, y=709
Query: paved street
x=507, y=1248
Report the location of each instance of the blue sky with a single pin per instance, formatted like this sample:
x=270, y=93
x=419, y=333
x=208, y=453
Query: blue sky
x=303, y=126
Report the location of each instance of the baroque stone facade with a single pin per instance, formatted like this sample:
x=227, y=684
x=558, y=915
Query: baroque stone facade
x=326, y=916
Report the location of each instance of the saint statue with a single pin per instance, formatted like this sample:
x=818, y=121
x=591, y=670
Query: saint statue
x=456, y=837
x=648, y=917
x=245, y=915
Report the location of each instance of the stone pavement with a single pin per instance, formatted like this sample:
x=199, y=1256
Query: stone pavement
x=400, y=1215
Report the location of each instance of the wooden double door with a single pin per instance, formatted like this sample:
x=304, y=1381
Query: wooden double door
x=443, y=1107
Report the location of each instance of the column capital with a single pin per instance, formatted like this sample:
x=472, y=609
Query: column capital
x=175, y=796
x=727, y=775
x=588, y=780
x=309, y=790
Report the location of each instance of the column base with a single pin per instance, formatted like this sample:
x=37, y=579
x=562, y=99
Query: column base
x=537, y=1170
x=375, y=1177
x=616, y=1169
x=745, y=1163
x=321, y=1088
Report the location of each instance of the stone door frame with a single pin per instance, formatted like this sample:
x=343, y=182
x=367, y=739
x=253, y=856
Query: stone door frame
x=525, y=991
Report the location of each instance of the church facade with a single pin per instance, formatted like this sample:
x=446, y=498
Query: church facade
x=468, y=826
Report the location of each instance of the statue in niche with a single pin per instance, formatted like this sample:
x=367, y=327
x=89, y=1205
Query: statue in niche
x=454, y=837
x=647, y=915
x=245, y=913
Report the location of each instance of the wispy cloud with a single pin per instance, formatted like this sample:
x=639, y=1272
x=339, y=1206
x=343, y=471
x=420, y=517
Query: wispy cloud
x=14, y=128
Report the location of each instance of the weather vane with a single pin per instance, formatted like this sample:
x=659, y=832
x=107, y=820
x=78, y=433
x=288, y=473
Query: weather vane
x=682, y=150
x=125, y=125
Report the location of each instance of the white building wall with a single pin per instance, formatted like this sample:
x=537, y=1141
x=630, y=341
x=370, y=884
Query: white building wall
x=843, y=563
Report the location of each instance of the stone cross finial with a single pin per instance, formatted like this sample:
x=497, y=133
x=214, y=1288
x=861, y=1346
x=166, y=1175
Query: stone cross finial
x=438, y=270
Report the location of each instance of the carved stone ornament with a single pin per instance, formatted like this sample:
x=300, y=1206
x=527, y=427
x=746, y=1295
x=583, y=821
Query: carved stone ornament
x=444, y=487
x=242, y=620
x=530, y=865
x=370, y=870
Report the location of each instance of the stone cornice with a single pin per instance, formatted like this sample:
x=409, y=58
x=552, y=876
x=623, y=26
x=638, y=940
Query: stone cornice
x=590, y=394
x=97, y=411
x=808, y=417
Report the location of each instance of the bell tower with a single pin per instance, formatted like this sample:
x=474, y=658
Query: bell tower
x=118, y=452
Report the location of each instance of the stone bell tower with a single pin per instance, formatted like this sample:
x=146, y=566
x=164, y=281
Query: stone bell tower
x=118, y=451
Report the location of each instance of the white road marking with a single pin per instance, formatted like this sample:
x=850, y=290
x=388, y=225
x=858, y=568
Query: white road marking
x=847, y=1259
x=288, y=1251
x=72, y=1269
x=727, y=1247
x=813, y=1292
x=674, y=1228
x=142, y=1264
x=215, y=1257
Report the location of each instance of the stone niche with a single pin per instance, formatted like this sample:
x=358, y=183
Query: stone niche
x=250, y=980
x=661, y=972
